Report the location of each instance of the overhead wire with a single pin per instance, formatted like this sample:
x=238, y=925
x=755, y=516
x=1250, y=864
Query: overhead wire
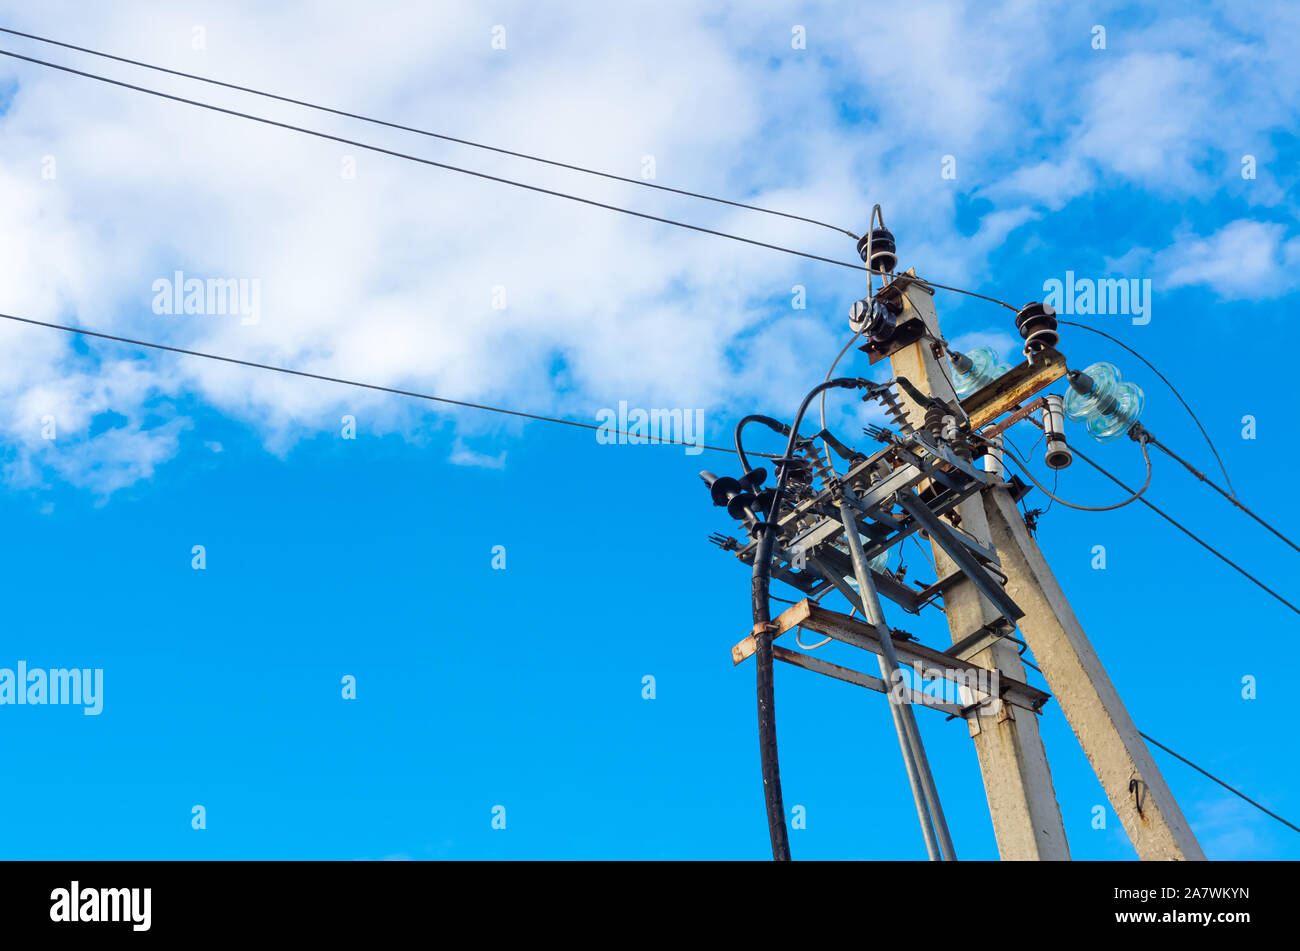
x=477, y=174
x=1231, y=789
x=1230, y=493
x=425, y=132
x=1139, y=496
x=1181, y=527
x=424, y=161
x=1056, y=479
x=1211, y=483
x=368, y=386
x=876, y=213
x=826, y=449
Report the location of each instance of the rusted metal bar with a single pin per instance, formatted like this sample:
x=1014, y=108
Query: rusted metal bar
x=819, y=620
x=1003, y=425
x=1015, y=386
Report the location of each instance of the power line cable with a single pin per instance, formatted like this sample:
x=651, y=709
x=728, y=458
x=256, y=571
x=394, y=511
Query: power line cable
x=1056, y=478
x=424, y=132
x=483, y=175
x=1231, y=497
x=424, y=161
x=1141, y=498
x=1234, y=791
x=1178, y=525
x=368, y=386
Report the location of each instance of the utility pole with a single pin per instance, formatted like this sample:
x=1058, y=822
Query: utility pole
x=1013, y=761
x=827, y=530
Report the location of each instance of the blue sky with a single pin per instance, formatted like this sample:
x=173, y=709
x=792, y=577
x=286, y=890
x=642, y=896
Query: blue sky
x=372, y=557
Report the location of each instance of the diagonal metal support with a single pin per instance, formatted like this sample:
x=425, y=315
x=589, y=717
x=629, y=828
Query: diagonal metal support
x=951, y=543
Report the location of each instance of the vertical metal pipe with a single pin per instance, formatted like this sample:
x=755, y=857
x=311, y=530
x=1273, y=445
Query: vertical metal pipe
x=875, y=616
x=900, y=728
x=913, y=776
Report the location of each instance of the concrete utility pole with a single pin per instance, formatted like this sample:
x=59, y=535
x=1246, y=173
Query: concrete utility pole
x=991, y=575
x=1013, y=762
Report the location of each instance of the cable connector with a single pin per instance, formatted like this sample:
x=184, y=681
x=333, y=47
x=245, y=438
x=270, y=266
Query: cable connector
x=1138, y=433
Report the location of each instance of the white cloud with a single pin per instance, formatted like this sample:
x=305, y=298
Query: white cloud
x=461, y=455
x=388, y=278
x=1244, y=260
x=1146, y=116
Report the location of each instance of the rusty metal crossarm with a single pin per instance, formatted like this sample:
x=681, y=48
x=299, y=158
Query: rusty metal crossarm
x=1021, y=382
x=1019, y=413
x=841, y=627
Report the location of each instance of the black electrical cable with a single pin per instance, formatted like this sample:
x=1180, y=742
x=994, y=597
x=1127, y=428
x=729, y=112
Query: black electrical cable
x=430, y=162
x=1173, y=389
x=774, y=424
x=760, y=585
x=1235, y=792
x=1178, y=525
x=830, y=460
x=991, y=300
x=1231, y=497
x=483, y=175
x=334, y=379
x=1056, y=478
x=424, y=132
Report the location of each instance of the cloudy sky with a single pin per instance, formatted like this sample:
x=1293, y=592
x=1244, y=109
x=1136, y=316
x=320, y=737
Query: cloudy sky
x=389, y=276
x=1008, y=143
